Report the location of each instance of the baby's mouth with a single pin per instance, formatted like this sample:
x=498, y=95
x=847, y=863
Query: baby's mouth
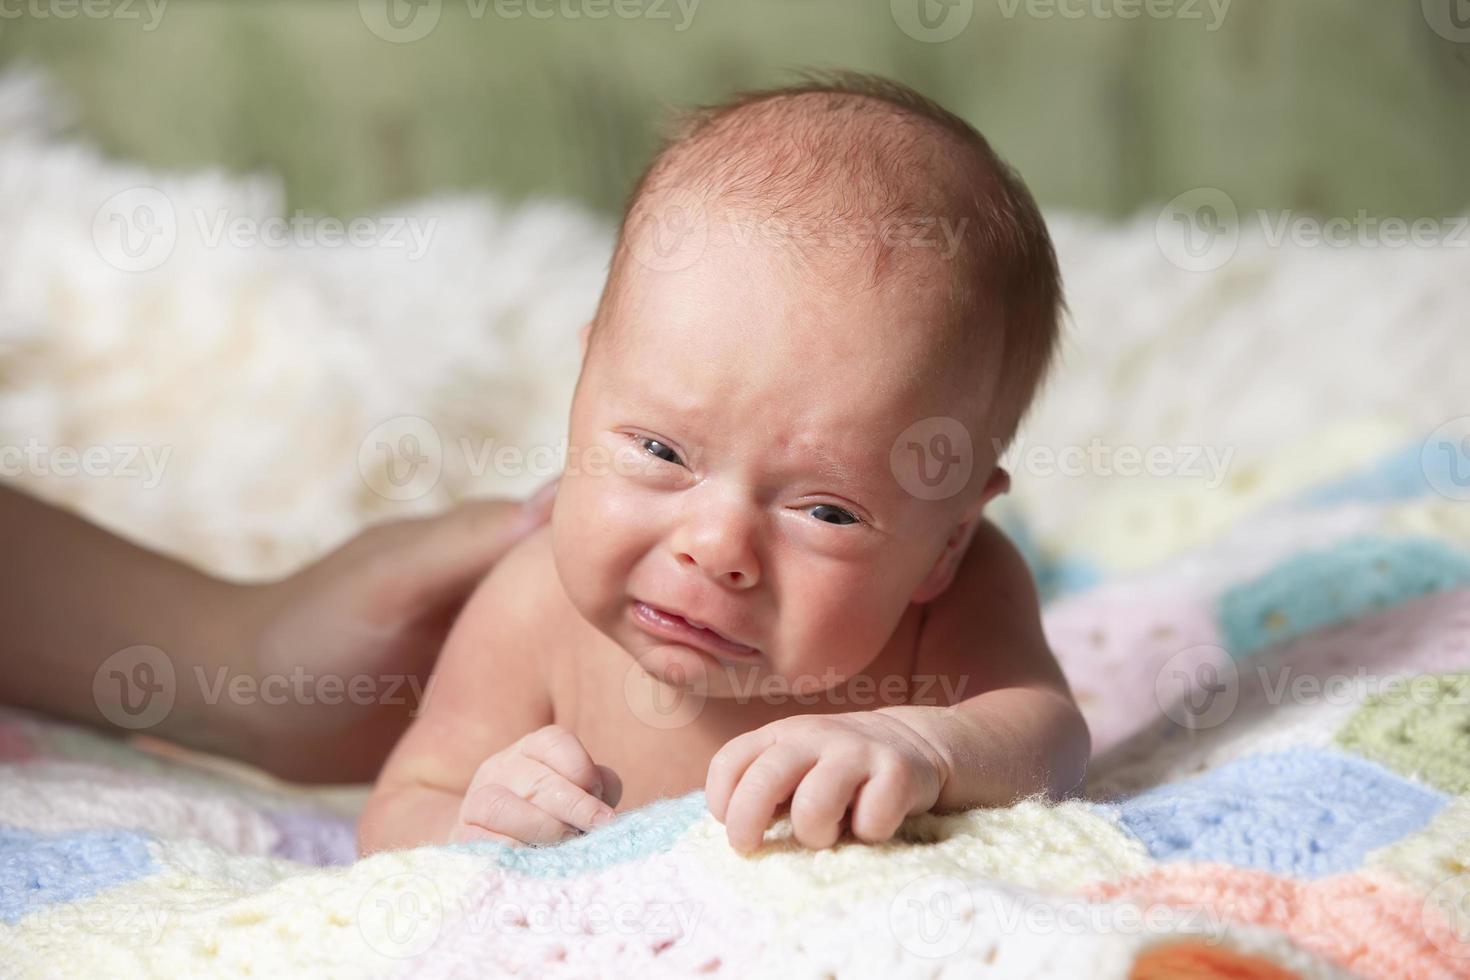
x=672, y=626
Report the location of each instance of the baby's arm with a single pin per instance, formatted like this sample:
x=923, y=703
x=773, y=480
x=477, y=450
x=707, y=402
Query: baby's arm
x=1017, y=733
x=487, y=703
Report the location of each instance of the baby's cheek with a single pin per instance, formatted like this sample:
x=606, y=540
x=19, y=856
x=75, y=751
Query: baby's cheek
x=838, y=633
x=591, y=541
x=574, y=544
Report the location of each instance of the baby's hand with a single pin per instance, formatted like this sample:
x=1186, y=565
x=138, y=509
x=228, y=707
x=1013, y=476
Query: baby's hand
x=540, y=790
x=822, y=763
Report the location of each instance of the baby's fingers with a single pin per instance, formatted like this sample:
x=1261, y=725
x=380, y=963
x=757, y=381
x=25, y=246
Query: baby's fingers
x=883, y=802
x=498, y=809
x=821, y=801
x=561, y=798
x=729, y=764
x=768, y=782
x=564, y=753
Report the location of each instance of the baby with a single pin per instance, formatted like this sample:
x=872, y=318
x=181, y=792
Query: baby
x=767, y=572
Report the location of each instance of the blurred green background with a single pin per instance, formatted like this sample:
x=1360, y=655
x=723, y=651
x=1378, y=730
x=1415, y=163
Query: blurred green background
x=1323, y=105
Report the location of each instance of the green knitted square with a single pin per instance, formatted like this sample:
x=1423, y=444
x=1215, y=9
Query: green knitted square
x=1418, y=726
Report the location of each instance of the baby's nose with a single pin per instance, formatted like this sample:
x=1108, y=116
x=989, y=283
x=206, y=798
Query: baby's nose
x=737, y=573
x=722, y=548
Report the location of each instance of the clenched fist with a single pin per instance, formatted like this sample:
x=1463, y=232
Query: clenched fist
x=867, y=761
x=540, y=790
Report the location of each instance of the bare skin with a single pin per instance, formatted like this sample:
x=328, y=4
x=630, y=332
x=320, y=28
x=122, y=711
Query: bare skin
x=380, y=606
x=580, y=696
x=757, y=498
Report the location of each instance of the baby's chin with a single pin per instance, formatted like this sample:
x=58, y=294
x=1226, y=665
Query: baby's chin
x=700, y=673
x=689, y=670
x=696, y=673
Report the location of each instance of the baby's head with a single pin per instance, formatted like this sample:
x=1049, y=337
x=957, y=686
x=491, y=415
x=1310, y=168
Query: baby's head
x=828, y=309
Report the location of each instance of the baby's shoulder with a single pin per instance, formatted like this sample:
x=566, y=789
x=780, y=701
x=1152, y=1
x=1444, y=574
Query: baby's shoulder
x=516, y=598
x=522, y=587
x=516, y=623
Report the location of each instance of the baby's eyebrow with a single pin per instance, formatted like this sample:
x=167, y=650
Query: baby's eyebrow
x=835, y=467
x=866, y=474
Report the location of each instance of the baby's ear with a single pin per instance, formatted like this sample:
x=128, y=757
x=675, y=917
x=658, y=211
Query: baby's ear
x=948, y=563
x=998, y=483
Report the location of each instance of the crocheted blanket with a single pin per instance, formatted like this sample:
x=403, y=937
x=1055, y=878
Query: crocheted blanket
x=1282, y=788
x=1270, y=635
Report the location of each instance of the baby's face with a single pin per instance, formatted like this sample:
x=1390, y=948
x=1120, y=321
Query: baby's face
x=728, y=460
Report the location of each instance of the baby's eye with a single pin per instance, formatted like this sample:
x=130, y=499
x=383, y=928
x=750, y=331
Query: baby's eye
x=655, y=448
x=830, y=514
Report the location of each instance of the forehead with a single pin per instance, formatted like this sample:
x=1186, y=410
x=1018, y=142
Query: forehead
x=808, y=317
x=803, y=355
